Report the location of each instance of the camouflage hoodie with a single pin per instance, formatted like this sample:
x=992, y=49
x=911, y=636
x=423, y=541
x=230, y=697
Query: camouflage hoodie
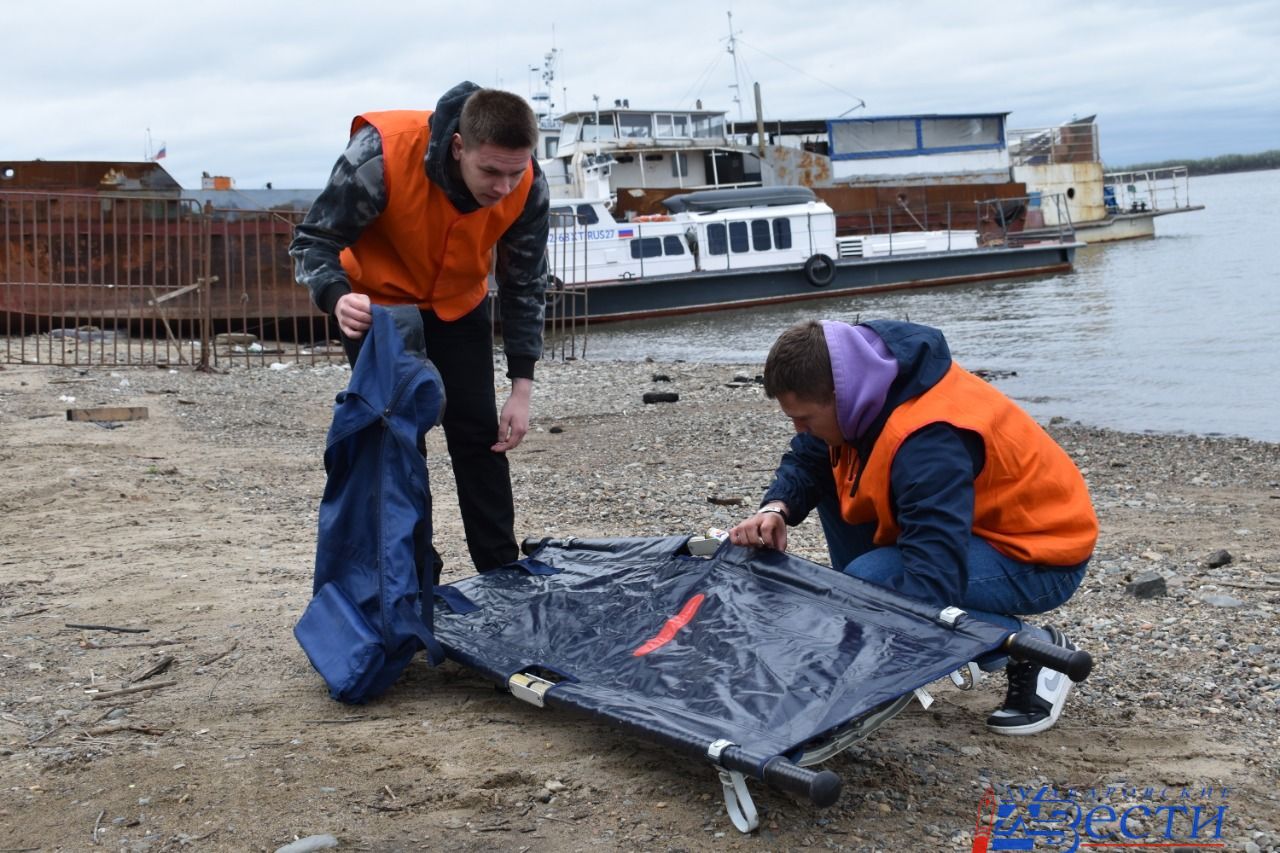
x=357, y=194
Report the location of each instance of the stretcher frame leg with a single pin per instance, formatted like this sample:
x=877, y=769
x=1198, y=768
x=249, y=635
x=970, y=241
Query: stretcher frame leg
x=737, y=799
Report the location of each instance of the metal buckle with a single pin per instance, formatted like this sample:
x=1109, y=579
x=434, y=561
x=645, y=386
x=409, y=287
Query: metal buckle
x=529, y=688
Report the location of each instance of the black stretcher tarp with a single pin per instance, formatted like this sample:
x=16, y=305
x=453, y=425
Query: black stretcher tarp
x=777, y=652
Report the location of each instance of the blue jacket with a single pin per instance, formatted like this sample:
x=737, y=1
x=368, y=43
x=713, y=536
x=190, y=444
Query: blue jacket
x=370, y=614
x=931, y=479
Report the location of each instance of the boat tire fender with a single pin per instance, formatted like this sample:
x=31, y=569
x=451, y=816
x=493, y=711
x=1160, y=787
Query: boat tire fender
x=820, y=270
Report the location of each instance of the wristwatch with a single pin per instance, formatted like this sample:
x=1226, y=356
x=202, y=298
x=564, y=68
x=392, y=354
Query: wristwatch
x=779, y=510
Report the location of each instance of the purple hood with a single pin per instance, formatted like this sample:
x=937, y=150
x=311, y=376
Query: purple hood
x=862, y=370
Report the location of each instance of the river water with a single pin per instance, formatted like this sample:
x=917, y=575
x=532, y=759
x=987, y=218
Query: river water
x=1180, y=333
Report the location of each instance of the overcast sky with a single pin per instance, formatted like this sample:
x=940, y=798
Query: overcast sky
x=265, y=91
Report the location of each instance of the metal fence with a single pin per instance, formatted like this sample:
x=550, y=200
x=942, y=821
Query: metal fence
x=126, y=279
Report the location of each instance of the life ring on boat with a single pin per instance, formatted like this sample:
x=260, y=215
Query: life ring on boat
x=820, y=270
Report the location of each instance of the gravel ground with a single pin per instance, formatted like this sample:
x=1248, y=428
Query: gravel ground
x=199, y=524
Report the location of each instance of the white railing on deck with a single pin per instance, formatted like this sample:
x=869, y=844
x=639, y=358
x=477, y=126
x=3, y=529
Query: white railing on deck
x=1163, y=189
x=1064, y=143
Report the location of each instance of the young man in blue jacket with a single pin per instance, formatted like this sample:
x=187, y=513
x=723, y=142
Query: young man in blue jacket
x=930, y=482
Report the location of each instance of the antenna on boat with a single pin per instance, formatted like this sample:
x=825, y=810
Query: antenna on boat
x=544, y=106
x=733, y=51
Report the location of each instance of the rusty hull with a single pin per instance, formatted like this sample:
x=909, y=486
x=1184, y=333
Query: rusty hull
x=872, y=210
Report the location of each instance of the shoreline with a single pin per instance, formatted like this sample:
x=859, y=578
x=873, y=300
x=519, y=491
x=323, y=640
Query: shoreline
x=198, y=525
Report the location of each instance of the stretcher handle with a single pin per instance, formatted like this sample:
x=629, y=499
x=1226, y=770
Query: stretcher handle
x=1076, y=664
x=820, y=787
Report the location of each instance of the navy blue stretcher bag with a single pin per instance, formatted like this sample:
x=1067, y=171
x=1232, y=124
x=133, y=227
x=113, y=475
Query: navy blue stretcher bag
x=367, y=618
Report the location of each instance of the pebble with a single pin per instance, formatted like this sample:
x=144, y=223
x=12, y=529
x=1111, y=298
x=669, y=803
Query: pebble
x=1209, y=658
x=1147, y=585
x=309, y=844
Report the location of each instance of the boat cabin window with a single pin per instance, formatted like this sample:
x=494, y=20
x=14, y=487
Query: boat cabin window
x=564, y=216
x=653, y=247
x=561, y=217
x=760, y=235
x=737, y=238
x=672, y=125
x=913, y=136
x=879, y=136
x=708, y=126
x=592, y=131
x=960, y=132
x=679, y=165
x=763, y=237
x=635, y=125
x=782, y=233
x=716, y=242
x=646, y=247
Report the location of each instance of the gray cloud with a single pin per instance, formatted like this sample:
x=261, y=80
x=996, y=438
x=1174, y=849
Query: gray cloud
x=265, y=91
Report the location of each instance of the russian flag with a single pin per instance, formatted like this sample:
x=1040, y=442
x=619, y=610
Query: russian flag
x=159, y=154
x=626, y=232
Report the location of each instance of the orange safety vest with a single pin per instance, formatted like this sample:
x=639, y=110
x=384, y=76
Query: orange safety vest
x=1030, y=501
x=421, y=250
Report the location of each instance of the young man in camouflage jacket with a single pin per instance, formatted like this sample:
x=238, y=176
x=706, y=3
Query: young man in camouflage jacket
x=412, y=213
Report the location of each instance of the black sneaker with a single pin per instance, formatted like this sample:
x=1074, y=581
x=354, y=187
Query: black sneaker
x=1036, y=695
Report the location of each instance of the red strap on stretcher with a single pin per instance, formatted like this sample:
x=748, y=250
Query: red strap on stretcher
x=674, y=624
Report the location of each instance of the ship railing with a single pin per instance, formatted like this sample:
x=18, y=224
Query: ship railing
x=131, y=279
x=1166, y=188
x=898, y=229
x=1074, y=142
x=1025, y=220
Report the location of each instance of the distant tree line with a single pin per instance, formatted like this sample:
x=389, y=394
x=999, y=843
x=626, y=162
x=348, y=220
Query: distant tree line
x=1217, y=165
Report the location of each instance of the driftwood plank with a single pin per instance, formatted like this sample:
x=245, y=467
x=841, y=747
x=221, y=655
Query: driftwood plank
x=108, y=413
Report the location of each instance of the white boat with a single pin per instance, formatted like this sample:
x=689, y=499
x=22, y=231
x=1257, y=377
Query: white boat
x=744, y=247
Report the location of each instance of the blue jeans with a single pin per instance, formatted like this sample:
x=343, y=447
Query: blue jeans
x=998, y=586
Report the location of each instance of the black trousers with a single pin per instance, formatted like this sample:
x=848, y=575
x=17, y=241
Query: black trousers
x=462, y=351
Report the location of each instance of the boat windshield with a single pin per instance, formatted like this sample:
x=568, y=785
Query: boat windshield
x=635, y=125
x=591, y=131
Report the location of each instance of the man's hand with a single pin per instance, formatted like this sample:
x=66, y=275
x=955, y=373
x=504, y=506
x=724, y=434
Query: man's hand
x=762, y=530
x=514, y=420
x=353, y=314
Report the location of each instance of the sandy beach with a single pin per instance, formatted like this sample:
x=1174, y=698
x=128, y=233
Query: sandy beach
x=202, y=726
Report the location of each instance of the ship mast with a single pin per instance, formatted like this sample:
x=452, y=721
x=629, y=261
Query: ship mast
x=736, y=85
x=544, y=107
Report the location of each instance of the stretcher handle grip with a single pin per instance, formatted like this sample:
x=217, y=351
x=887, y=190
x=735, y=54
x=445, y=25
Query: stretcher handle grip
x=1076, y=664
x=820, y=787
